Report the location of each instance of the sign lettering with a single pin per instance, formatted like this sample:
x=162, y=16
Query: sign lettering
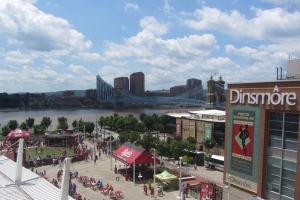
x=275, y=98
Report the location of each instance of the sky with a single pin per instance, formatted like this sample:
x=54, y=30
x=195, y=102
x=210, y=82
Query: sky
x=48, y=46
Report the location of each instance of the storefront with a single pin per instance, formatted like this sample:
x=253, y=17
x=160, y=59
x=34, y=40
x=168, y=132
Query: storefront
x=262, y=126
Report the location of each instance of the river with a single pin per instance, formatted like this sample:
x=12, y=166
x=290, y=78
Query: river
x=86, y=114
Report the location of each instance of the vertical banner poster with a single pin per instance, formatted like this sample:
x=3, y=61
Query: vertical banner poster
x=242, y=141
x=207, y=131
x=192, y=128
x=178, y=127
x=207, y=191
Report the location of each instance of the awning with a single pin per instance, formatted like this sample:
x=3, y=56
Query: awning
x=166, y=176
x=128, y=152
x=146, y=157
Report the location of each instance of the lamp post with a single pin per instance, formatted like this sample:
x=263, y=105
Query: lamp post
x=228, y=187
x=180, y=195
x=110, y=153
x=134, y=162
x=154, y=172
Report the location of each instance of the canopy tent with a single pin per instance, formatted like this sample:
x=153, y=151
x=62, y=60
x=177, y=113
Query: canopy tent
x=165, y=176
x=128, y=152
x=15, y=135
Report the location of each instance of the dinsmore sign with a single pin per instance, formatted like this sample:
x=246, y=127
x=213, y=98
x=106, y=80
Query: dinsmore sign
x=275, y=98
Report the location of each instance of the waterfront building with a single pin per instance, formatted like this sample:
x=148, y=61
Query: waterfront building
x=137, y=83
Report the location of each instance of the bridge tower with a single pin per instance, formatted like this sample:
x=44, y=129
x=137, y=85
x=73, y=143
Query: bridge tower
x=211, y=93
x=215, y=92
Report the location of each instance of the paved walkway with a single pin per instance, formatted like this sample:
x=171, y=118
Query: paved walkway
x=103, y=170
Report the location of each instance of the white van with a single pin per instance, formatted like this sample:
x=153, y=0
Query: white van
x=216, y=162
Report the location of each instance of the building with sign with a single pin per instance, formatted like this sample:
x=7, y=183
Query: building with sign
x=201, y=124
x=262, y=126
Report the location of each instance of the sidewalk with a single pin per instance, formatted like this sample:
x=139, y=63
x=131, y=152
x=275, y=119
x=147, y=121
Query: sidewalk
x=102, y=171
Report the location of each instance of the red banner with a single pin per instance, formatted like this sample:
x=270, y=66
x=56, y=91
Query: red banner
x=178, y=127
x=207, y=191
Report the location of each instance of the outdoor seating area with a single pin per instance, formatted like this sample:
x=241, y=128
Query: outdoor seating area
x=99, y=186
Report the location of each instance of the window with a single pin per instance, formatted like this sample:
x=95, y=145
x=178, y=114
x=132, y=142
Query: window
x=283, y=135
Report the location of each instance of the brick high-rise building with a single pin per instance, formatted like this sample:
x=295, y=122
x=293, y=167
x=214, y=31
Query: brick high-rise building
x=137, y=83
x=120, y=83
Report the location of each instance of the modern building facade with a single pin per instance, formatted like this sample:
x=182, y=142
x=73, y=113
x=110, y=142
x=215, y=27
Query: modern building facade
x=261, y=151
x=104, y=90
x=137, y=83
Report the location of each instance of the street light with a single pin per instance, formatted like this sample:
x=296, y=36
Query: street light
x=180, y=196
x=228, y=187
x=154, y=169
x=134, y=162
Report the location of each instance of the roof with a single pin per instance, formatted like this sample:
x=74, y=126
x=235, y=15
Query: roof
x=129, y=153
x=38, y=188
x=218, y=157
x=209, y=112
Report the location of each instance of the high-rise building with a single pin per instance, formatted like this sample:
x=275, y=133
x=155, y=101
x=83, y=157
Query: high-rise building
x=104, y=90
x=137, y=83
x=120, y=83
x=177, y=90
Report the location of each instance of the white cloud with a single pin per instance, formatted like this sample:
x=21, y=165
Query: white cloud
x=89, y=57
x=52, y=54
x=283, y=2
x=273, y=24
x=109, y=73
x=167, y=7
x=79, y=69
x=22, y=23
x=54, y=62
x=120, y=63
x=151, y=25
x=130, y=5
x=17, y=58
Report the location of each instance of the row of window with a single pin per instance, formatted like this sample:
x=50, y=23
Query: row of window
x=283, y=134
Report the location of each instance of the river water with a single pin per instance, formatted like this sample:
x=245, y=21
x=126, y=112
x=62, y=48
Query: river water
x=87, y=115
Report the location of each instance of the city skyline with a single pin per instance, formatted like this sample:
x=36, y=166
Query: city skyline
x=61, y=45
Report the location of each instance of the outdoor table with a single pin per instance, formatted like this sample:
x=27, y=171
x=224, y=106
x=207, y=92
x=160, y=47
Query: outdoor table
x=119, y=194
x=77, y=196
x=82, y=177
x=105, y=190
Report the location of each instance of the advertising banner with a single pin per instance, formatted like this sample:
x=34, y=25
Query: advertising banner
x=207, y=131
x=192, y=128
x=242, y=141
x=178, y=127
x=207, y=191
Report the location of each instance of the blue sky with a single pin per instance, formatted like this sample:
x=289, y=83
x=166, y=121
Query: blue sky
x=48, y=46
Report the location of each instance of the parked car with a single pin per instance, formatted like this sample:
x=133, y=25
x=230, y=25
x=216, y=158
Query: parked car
x=108, y=138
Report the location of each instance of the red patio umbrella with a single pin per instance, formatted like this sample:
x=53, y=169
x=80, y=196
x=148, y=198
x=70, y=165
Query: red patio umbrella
x=18, y=133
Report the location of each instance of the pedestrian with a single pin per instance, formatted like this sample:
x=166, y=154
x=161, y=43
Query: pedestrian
x=195, y=166
x=95, y=159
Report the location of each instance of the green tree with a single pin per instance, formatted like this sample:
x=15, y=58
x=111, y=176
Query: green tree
x=30, y=122
x=148, y=122
x=12, y=124
x=142, y=116
x=38, y=130
x=140, y=126
x=74, y=124
x=5, y=130
x=24, y=126
x=123, y=137
x=62, y=123
x=162, y=147
x=191, y=140
x=46, y=121
x=209, y=143
x=89, y=127
x=134, y=136
x=148, y=142
x=101, y=121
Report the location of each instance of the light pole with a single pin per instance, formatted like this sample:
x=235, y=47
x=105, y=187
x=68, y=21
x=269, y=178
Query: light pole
x=180, y=195
x=154, y=169
x=228, y=187
x=134, y=162
x=110, y=153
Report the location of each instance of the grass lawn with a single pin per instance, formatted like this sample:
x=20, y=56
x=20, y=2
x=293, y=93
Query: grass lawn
x=47, y=150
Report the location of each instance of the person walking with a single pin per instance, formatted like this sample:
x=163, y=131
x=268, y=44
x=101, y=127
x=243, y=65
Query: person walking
x=95, y=159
